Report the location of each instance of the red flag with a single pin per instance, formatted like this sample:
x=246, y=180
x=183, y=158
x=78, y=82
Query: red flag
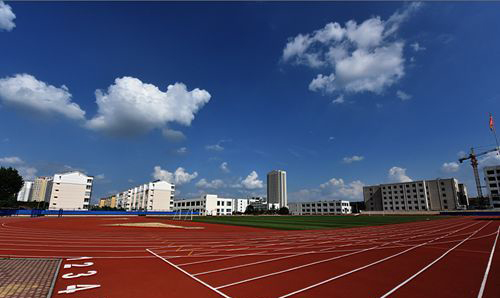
x=492, y=124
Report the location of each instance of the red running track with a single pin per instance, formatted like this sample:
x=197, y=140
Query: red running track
x=456, y=257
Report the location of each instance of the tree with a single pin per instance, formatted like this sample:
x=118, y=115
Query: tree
x=10, y=183
x=283, y=211
x=250, y=210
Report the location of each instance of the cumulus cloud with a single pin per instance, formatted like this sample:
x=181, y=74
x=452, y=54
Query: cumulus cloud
x=173, y=135
x=214, y=184
x=99, y=177
x=339, y=99
x=353, y=159
x=6, y=17
x=225, y=167
x=365, y=57
x=28, y=173
x=216, y=147
x=11, y=160
x=252, y=181
x=397, y=174
x=182, y=150
x=490, y=159
x=180, y=176
x=402, y=95
x=450, y=167
x=337, y=188
x=25, y=91
x=131, y=107
x=417, y=47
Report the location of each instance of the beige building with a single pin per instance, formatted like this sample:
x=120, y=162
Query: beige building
x=41, y=189
x=153, y=196
x=492, y=178
x=423, y=195
x=108, y=202
x=276, y=188
x=70, y=191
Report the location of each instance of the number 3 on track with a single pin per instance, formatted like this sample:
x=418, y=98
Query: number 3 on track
x=74, y=288
x=71, y=275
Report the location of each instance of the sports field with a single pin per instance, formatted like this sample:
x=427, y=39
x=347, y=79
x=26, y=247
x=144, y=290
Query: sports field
x=310, y=222
x=157, y=257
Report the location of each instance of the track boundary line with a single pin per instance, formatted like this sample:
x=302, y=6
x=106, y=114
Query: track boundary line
x=373, y=263
x=487, y=271
x=431, y=263
x=188, y=274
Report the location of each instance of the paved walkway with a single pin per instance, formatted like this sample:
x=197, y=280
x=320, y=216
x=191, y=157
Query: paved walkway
x=27, y=277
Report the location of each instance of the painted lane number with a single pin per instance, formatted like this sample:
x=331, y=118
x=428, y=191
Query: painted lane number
x=75, y=288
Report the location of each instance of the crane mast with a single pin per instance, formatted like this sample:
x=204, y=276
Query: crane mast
x=473, y=161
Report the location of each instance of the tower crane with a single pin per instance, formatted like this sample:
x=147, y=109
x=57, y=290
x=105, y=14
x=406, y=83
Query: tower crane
x=473, y=161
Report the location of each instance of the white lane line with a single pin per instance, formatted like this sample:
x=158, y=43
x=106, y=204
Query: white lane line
x=334, y=258
x=185, y=272
x=371, y=264
x=430, y=264
x=485, y=278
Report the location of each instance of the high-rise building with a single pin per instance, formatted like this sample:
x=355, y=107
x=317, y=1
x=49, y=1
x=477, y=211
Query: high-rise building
x=276, y=188
x=41, y=189
x=492, y=178
x=153, y=196
x=422, y=195
x=24, y=194
x=70, y=191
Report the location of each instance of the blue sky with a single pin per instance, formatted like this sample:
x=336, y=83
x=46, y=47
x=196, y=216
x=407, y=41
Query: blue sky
x=338, y=94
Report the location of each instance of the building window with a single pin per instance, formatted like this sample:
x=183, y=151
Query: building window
x=444, y=195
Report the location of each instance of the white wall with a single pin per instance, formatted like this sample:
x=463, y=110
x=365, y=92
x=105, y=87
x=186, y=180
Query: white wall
x=24, y=194
x=71, y=191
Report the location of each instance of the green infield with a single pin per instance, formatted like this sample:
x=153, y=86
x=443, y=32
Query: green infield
x=311, y=222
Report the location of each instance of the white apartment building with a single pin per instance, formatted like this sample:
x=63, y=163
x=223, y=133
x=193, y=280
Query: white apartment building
x=240, y=205
x=326, y=207
x=276, y=188
x=206, y=205
x=422, y=195
x=24, y=194
x=153, y=196
x=492, y=178
x=70, y=191
x=41, y=189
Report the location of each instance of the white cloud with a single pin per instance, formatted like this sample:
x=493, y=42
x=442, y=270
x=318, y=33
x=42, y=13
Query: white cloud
x=11, y=160
x=131, y=107
x=402, y=95
x=215, y=147
x=225, y=167
x=252, y=181
x=397, y=174
x=25, y=91
x=182, y=150
x=490, y=159
x=214, y=184
x=99, y=177
x=180, y=176
x=450, y=167
x=331, y=138
x=337, y=188
x=28, y=173
x=417, y=47
x=365, y=57
x=173, y=135
x=6, y=17
x=339, y=99
x=353, y=159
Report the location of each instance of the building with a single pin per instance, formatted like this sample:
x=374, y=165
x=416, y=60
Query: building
x=492, y=178
x=153, y=196
x=70, y=191
x=41, y=189
x=240, y=205
x=327, y=207
x=276, y=188
x=422, y=195
x=206, y=205
x=24, y=194
x=108, y=202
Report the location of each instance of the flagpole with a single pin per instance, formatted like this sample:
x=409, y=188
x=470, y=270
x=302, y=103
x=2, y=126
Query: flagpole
x=494, y=132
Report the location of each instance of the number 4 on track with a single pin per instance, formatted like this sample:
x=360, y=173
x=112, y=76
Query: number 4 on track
x=74, y=288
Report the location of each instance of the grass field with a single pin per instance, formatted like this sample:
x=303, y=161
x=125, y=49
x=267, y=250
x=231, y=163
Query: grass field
x=310, y=222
